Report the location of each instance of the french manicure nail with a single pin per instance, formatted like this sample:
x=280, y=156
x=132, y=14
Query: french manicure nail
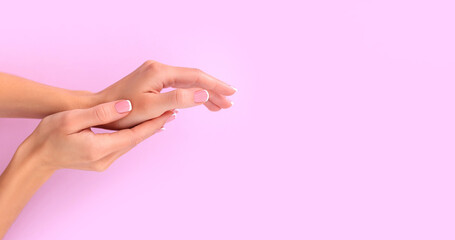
x=172, y=117
x=160, y=130
x=123, y=106
x=176, y=111
x=234, y=88
x=232, y=104
x=201, y=96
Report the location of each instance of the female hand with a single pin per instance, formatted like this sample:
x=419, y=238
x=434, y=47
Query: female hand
x=65, y=140
x=143, y=87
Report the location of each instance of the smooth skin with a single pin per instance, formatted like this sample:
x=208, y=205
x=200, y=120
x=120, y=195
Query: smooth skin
x=64, y=138
x=20, y=97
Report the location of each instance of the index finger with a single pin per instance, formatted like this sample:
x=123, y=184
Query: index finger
x=130, y=137
x=181, y=77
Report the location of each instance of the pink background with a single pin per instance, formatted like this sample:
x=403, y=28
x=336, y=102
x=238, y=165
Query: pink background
x=343, y=126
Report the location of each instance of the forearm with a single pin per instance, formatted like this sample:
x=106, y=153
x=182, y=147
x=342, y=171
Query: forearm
x=21, y=179
x=23, y=98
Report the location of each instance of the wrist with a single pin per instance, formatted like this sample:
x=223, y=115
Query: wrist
x=30, y=162
x=84, y=99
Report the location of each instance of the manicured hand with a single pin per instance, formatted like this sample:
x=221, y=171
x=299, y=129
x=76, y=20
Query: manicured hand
x=65, y=140
x=143, y=87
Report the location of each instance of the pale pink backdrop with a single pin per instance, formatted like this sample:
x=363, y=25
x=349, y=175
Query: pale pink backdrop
x=343, y=126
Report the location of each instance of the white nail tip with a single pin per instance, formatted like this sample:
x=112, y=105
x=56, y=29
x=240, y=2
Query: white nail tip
x=232, y=103
x=130, y=105
x=234, y=88
x=208, y=95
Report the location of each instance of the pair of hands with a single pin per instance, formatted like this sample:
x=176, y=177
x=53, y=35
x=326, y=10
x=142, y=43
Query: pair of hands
x=133, y=105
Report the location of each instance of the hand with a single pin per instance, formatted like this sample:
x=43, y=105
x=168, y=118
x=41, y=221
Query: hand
x=65, y=140
x=143, y=87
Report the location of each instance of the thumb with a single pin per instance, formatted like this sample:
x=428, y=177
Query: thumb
x=182, y=98
x=101, y=114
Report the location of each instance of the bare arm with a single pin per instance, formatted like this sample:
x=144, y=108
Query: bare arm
x=20, y=97
x=23, y=98
x=64, y=140
x=18, y=183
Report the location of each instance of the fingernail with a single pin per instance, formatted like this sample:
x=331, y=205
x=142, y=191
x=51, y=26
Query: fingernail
x=172, y=117
x=176, y=111
x=160, y=130
x=232, y=104
x=234, y=88
x=201, y=96
x=123, y=106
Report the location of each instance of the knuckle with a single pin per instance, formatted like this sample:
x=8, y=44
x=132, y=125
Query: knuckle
x=65, y=119
x=179, y=96
x=149, y=62
x=197, y=74
x=151, y=66
x=102, y=114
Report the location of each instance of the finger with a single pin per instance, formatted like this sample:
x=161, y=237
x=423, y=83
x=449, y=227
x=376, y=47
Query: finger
x=180, y=77
x=99, y=115
x=181, y=98
x=150, y=127
x=128, y=138
x=220, y=100
x=212, y=107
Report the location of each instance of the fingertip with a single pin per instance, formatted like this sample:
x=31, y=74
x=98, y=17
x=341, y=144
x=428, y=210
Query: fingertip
x=167, y=117
x=130, y=105
x=212, y=107
x=123, y=106
x=172, y=117
x=208, y=95
x=150, y=127
x=228, y=90
x=201, y=96
x=160, y=130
